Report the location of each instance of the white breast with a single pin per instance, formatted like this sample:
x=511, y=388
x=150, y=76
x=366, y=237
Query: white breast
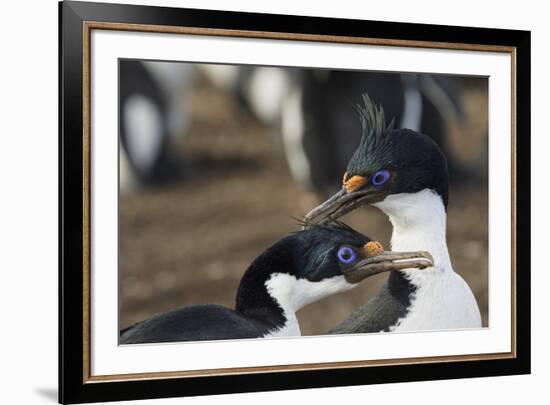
x=442, y=299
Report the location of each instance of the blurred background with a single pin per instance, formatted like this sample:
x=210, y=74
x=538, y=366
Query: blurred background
x=216, y=161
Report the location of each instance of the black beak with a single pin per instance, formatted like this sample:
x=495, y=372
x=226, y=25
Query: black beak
x=340, y=204
x=388, y=261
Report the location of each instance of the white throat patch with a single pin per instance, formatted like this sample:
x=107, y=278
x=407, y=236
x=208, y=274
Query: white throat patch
x=292, y=294
x=419, y=223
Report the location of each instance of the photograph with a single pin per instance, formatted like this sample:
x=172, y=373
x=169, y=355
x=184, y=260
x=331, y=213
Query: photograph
x=256, y=202
x=259, y=202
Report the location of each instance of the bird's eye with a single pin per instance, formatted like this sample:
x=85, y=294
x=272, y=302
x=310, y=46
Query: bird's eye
x=346, y=255
x=380, y=177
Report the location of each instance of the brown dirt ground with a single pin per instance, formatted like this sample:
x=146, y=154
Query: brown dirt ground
x=190, y=241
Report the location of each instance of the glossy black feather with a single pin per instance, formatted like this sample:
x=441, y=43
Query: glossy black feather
x=195, y=323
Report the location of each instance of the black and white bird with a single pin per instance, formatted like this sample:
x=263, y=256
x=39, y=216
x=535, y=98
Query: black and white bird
x=296, y=271
x=152, y=115
x=404, y=174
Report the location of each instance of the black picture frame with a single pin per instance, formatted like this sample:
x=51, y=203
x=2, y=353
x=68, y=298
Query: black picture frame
x=73, y=384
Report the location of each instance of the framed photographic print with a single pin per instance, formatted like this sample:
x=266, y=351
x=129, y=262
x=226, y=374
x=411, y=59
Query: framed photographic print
x=256, y=202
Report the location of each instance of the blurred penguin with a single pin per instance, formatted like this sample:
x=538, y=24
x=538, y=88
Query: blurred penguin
x=153, y=98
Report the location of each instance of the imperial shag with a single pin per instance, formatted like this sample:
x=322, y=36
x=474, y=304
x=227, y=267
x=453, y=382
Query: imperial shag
x=404, y=174
x=299, y=269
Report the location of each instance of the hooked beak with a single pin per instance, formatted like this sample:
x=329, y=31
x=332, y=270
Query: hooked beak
x=388, y=261
x=340, y=204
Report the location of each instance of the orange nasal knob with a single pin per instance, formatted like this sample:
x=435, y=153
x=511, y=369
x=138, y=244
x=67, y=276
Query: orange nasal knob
x=354, y=183
x=373, y=248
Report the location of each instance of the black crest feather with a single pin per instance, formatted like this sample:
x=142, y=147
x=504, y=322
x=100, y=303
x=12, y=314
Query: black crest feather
x=373, y=123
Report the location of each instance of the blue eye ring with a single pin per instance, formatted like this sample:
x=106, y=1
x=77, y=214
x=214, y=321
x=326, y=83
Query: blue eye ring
x=380, y=178
x=346, y=255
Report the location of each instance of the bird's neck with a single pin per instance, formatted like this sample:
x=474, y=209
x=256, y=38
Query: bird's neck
x=255, y=295
x=419, y=223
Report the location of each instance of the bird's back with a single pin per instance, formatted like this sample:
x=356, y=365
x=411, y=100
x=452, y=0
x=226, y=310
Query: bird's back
x=194, y=323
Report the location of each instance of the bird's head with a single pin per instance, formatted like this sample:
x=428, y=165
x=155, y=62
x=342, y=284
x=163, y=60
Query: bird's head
x=387, y=163
x=335, y=249
x=323, y=260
